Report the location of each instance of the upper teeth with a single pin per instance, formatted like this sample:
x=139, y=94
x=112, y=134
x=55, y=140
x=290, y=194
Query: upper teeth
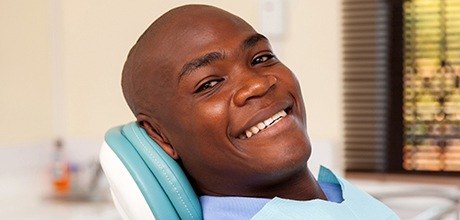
x=262, y=125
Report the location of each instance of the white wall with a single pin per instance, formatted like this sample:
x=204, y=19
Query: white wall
x=98, y=36
x=77, y=48
x=25, y=78
x=313, y=51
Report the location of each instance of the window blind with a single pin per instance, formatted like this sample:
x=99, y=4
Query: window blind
x=365, y=52
x=402, y=86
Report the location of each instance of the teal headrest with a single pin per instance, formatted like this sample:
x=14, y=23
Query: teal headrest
x=161, y=180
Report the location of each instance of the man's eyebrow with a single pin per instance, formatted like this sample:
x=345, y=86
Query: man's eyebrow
x=208, y=58
x=200, y=62
x=252, y=40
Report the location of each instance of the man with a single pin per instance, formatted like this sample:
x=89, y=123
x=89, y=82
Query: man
x=210, y=91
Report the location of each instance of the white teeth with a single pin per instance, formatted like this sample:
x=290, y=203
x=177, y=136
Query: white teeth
x=268, y=121
x=262, y=125
x=283, y=113
x=254, y=130
x=279, y=114
x=248, y=134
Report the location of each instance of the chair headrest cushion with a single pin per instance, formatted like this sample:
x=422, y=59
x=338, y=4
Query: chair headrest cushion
x=159, y=177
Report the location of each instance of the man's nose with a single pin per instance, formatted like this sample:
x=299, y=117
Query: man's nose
x=256, y=85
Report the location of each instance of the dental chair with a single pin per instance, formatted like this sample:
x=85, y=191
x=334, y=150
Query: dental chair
x=145, y=182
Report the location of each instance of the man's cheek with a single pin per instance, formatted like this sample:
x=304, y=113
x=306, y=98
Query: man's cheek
x=214, y=112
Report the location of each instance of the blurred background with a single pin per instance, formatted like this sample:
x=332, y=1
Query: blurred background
x=60, y=68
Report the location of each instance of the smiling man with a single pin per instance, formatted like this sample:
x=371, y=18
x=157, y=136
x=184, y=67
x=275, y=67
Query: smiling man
x=210, y=91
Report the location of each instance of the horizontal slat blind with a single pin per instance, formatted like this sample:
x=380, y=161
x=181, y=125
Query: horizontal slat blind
x=365, y=50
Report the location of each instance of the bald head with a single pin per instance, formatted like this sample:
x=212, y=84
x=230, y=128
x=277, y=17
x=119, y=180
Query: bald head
x=148, y=63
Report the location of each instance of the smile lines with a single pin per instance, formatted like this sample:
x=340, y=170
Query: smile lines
x=263, y=125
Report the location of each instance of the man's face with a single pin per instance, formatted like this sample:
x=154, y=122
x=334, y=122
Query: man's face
x=230, y=109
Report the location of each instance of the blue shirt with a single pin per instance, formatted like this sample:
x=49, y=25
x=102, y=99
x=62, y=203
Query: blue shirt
x=233, y=207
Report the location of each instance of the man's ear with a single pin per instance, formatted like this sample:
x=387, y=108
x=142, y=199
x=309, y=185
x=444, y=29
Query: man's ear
x=154, y=131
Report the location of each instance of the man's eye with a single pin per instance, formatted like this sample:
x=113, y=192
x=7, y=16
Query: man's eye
x=207, y=85
x=263, y=58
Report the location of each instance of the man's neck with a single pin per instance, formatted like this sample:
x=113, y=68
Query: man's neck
x=300, y=187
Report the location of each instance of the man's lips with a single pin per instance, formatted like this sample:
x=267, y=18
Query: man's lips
x=263, y=119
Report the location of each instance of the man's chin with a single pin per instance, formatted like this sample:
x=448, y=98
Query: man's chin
x=289, y=149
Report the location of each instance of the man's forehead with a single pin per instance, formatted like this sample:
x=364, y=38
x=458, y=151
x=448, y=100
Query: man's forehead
x=190, y=32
